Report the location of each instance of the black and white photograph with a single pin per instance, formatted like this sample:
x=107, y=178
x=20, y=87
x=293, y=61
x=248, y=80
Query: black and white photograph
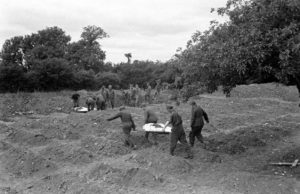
x=150, y=97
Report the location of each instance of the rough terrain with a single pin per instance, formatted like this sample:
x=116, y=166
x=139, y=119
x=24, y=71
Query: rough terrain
x=46, y=148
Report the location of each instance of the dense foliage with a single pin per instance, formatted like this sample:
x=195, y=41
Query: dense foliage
x=259, y=43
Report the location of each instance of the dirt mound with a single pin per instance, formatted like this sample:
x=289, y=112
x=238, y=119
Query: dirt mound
x=271, y=90
x=239, y=141
x=24, y=163
x=23, y=137
x=67, y=154
x=61, y=133
x=132, y=177
x=162, y=162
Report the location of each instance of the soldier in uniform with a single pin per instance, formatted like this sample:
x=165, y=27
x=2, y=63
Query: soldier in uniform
x=150, y=117
x=104, y=93
x=127, y=125
x=148, y=93
x=197, y=123
x=111, y=96
x=91, y=102
x=177, y=132
x=75, y=97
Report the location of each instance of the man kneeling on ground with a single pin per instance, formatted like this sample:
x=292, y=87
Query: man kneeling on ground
x=127, y=125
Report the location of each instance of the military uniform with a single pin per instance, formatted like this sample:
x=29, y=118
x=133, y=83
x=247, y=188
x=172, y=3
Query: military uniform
x=127, y=125
x=75, y=98
x=111, y=98
x=104, y=93
x=178, y=134
x=197, y=124
x=150, y=117
x=148, y=94
x=100, y=102
x=90, y=102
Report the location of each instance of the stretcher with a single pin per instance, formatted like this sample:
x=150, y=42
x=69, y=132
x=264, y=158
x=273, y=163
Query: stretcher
x=81, y=109
x=157, y=128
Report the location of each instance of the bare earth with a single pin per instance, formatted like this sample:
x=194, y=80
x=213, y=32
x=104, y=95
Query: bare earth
x=62, y=152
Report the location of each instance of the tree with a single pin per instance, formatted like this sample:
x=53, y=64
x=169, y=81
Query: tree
x=87, y=53
x=260, y=43
x=128, y=56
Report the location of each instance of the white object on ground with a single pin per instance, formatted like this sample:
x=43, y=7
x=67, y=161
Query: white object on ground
x=156, y=127
x=81, y=109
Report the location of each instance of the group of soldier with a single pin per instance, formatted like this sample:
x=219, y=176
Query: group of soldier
x=135, y=95
x=177, y=132
x=104, y=98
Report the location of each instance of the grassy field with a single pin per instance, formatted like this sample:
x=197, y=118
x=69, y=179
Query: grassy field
x=55, y=150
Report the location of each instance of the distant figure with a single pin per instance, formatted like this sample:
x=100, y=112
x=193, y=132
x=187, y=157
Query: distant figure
x=90, y=102
x=75, y=97
x=111, y=96
x=100, y=102
x=157, y=89
x=132, y=92
x=104, y=93
x=148, y=93
x=127, y=125
x=197, y=123
x=150, y=117
x=137, y=95
x=177, y=132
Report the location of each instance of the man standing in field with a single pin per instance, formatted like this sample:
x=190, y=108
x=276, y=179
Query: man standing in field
x=104, y=93
x=132, y=92
x=111, y=96
x=177, y=132
x=197, y=123
x=127, y=125
x=100, y=102
x=148, y=93
x=150, y=117
x=75, y=97
x=137, y=95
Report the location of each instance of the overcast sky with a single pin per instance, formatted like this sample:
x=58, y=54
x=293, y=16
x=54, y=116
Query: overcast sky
x=149, y=29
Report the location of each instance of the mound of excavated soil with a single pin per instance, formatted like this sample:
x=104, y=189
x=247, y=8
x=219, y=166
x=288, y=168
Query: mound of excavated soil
x=24, y=137
x=67, y=154
x=271, y=90
x=239, y=141
x=23, y=163
x=133, y=177
x=104, y=146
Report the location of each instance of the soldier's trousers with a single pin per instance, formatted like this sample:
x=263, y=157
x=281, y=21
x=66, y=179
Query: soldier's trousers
x=76, y=103
x=127, y=137
x=196, y=132
x=179, y=136
x=111, y=103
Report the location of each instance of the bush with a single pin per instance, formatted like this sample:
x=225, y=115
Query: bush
x=107, y=78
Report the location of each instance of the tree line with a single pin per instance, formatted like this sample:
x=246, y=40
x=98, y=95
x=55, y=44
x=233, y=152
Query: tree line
x=48, y=61
x=259, y=43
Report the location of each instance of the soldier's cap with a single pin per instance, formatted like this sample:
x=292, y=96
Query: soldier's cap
x=122, y=108
x=192, y=103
